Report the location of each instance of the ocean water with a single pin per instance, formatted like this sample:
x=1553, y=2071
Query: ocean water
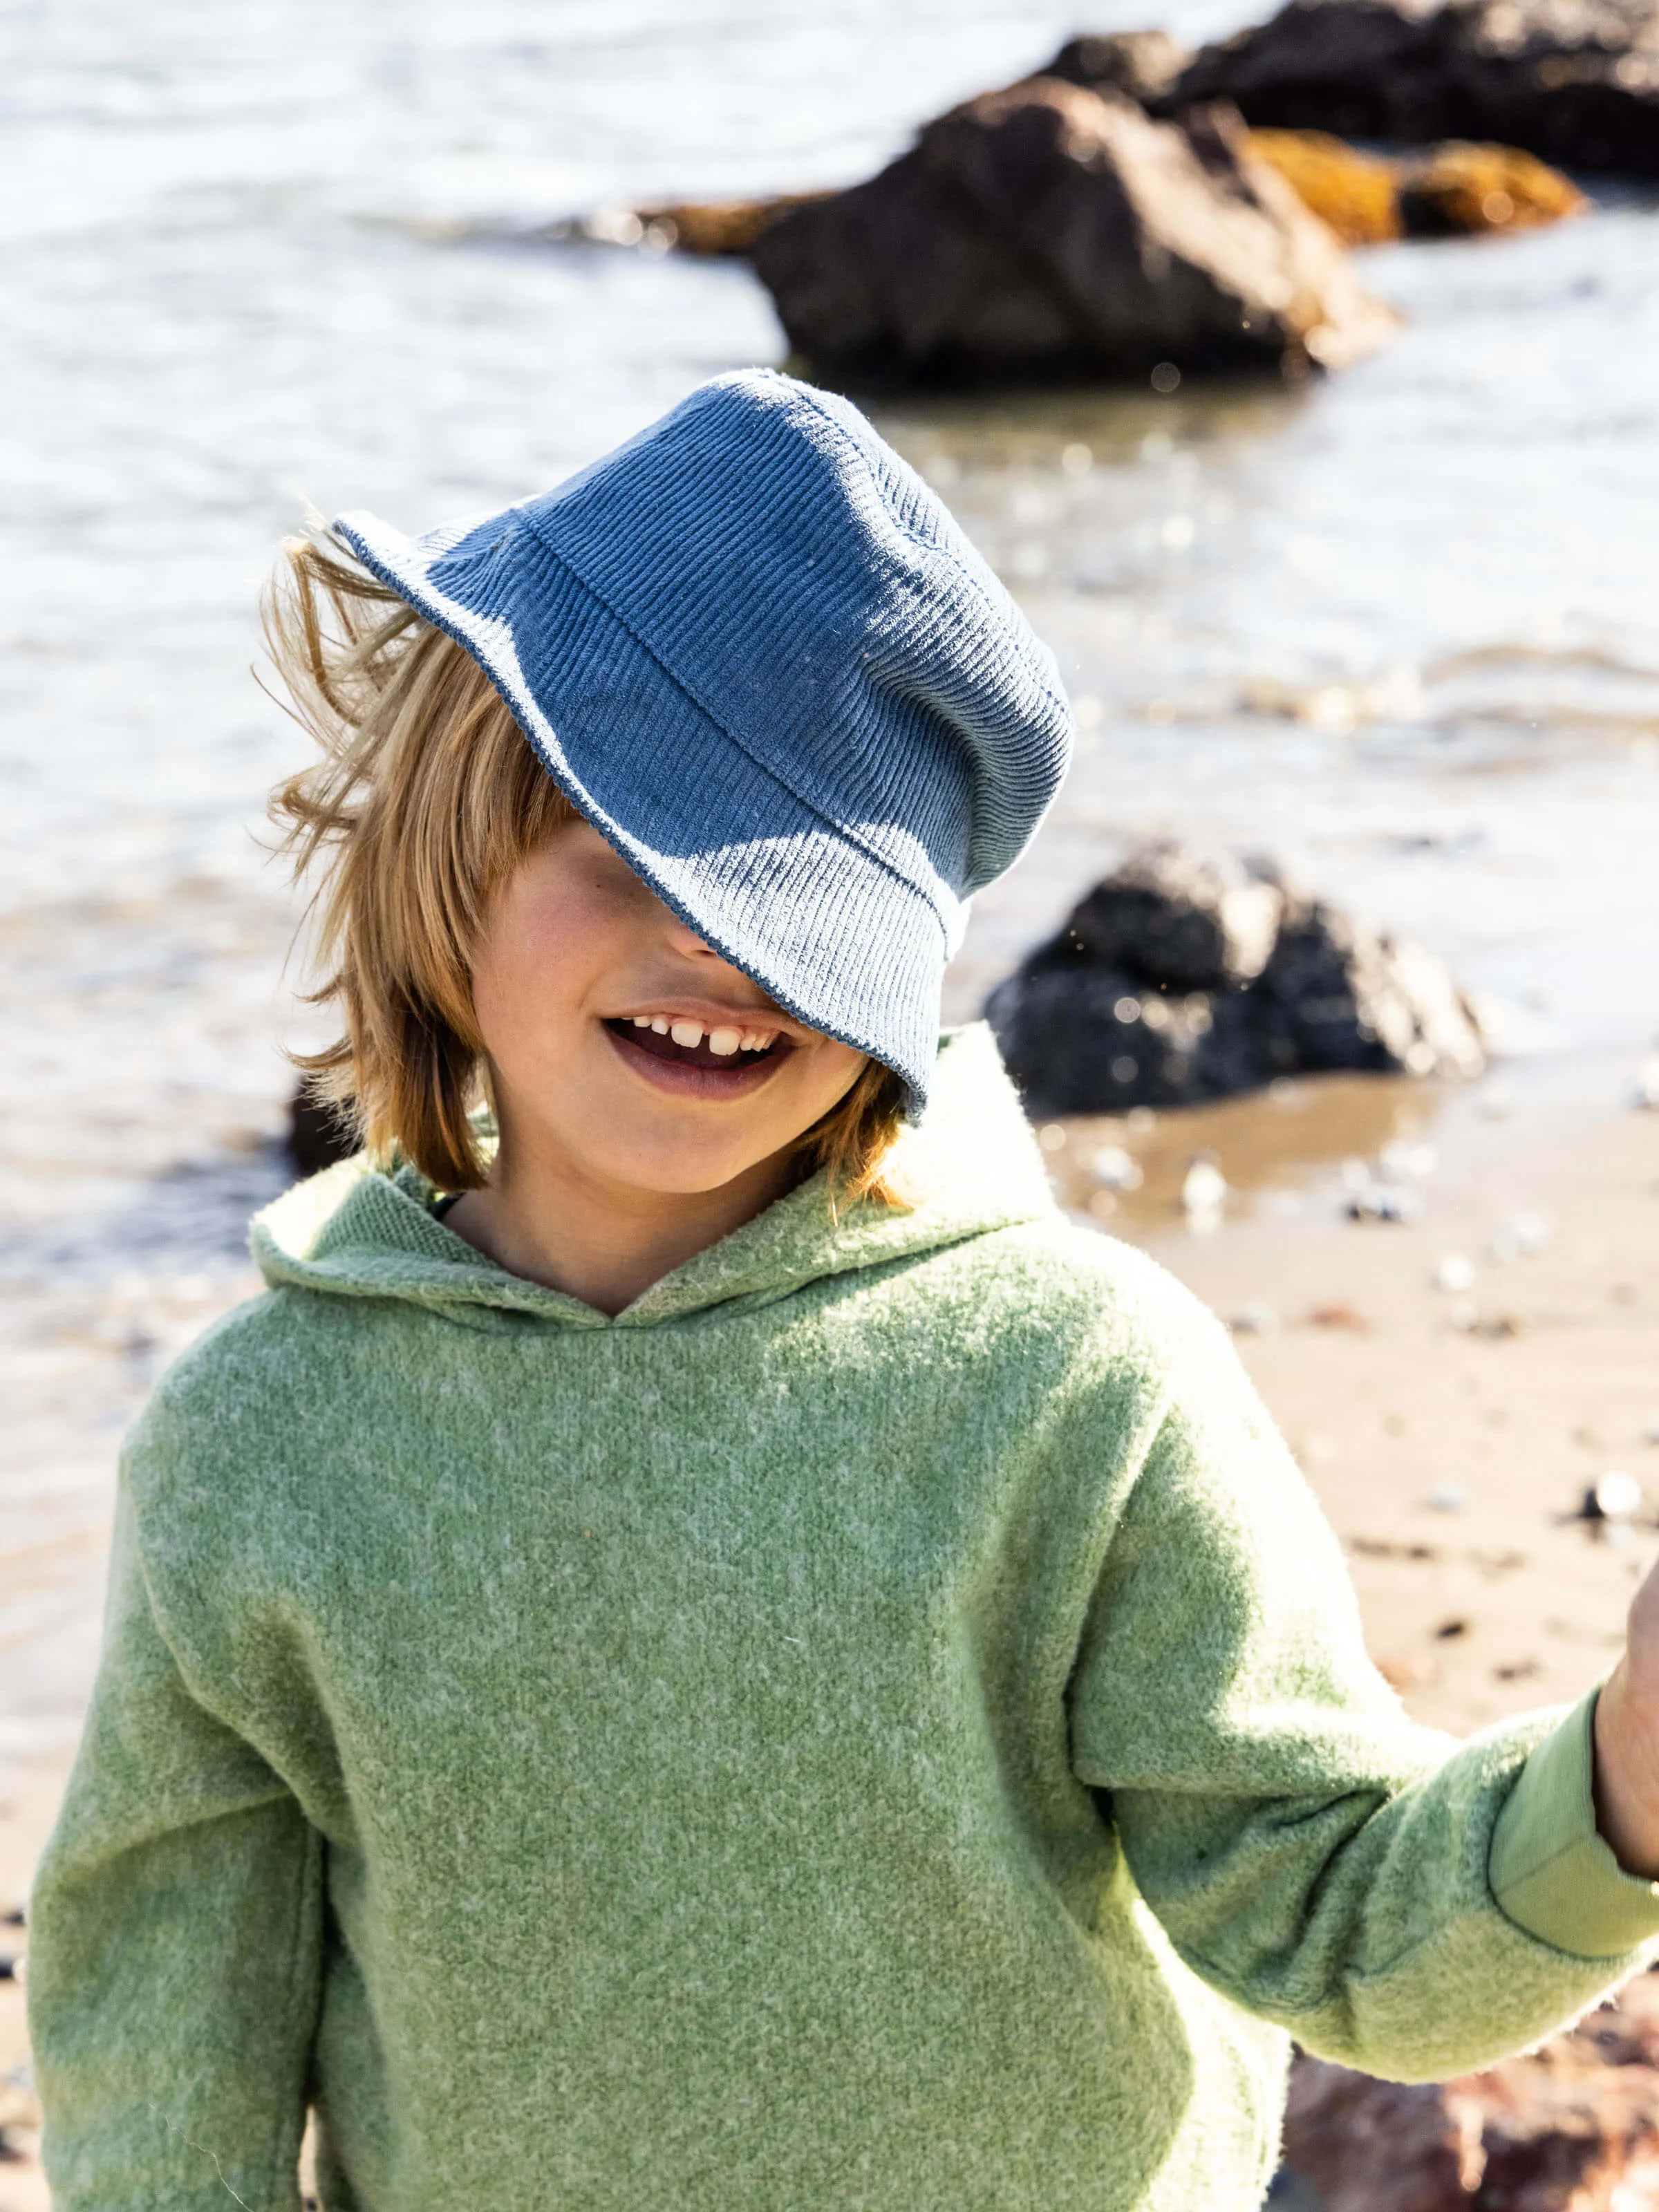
x=1401, y=627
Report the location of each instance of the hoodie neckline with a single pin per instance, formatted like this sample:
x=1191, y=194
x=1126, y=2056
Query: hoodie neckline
x=972, y=1162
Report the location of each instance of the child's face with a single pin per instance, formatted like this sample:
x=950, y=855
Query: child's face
x=618, y=1039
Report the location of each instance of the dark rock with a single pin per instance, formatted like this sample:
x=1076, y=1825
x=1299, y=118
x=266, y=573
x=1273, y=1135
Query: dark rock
x=1085, y=1040
x=1572, y=2127
x=1345, y=996
x=1046, y=231
x=1143, y=64
x=1575, y=82
x=1360, y=68
x=1289, y=2193
x=1177, y=918
x=1180, y=979
x=320, y=1133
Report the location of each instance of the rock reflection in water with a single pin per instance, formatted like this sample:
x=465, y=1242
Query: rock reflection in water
x=1290, y=1140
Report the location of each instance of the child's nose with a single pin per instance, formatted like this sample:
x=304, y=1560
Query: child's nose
x=685, y=939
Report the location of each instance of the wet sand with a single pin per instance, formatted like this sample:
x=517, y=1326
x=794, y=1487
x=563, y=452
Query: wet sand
x=1450, y=1433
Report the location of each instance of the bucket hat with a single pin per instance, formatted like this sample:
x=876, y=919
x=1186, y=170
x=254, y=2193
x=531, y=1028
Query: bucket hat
x=756, y=652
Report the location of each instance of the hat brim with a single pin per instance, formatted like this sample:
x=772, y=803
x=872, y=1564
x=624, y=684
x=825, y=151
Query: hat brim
x=771, y=886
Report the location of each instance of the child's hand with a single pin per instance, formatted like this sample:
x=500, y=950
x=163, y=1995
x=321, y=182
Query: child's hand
x=1627, y=1741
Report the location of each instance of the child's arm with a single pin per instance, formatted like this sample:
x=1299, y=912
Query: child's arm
x=174, y=1946
x=1401, y=1902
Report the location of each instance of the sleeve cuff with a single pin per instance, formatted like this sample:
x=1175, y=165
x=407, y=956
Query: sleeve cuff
x=1550, y=1870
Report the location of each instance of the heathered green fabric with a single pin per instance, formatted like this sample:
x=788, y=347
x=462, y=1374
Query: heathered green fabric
x=880, y=1726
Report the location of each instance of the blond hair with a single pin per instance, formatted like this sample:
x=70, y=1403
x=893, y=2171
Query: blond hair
x=426, y=799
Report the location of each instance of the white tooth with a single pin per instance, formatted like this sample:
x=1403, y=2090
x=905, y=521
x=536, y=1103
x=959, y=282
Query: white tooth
x=641, y=1021
x=688, y=1034
x=724, y=1042
x=659, y=1022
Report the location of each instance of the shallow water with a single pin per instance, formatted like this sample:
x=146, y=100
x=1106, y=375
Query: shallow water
x=1400, y=627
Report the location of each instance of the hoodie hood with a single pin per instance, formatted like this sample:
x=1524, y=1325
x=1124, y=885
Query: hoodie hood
x=972, y=1165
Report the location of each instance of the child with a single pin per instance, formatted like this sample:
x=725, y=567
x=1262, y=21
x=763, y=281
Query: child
x=700, y=1647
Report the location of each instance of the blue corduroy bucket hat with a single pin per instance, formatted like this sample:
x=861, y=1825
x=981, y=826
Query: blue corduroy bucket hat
x=760, y=657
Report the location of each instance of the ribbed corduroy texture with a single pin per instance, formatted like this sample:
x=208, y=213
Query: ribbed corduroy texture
x=881, y=1726
x=757, y=652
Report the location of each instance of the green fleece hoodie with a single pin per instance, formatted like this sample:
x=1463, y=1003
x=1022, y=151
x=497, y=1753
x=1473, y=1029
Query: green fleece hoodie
x=880, y=1726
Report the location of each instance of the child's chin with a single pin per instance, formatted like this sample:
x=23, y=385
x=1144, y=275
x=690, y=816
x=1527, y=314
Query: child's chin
x=654, y=1140
x=672, y=1171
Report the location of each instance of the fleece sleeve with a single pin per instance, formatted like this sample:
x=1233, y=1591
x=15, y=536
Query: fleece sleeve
x=174, y=1946
x=1311, y=1853
x=1551, y=1869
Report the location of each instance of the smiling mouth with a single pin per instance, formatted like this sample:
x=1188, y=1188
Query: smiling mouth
x=696, y=1069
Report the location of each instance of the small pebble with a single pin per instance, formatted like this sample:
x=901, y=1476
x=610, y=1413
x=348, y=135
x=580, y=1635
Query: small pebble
x=1203, y=1194
x=1497, y=1327
x=1339, y=1316
x=1254, y=1319
x=1650, y=1433
x=1522, y=1237
x=1402, y=1161
x=1455, y=1272
x=1384, y=1201
x=1612, y=1497
x=1204, y=1190
x=1497, y=1102
x=1449, y=1497
x=1385, y=1547
x=1647, y=1083
x=1114, y=1169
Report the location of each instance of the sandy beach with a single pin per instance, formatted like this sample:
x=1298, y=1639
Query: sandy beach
x=1450, y=1433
